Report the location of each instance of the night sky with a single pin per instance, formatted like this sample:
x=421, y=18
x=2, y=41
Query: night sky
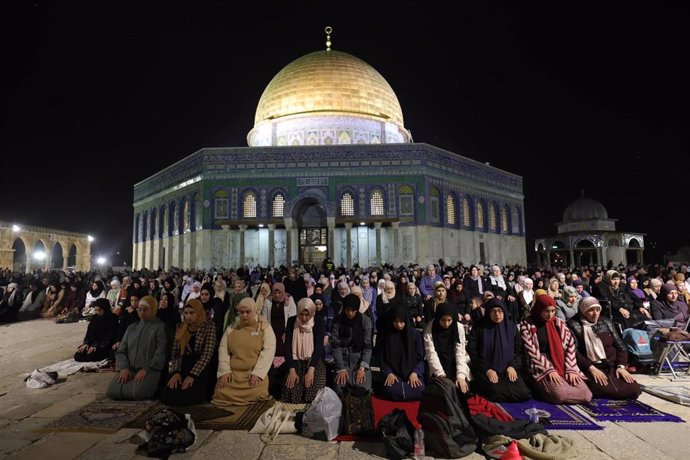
x=97, y=96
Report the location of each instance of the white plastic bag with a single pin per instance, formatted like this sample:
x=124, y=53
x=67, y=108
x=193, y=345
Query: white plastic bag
x=322, y=419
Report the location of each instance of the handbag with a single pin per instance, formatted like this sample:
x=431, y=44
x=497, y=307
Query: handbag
x=358, y=411
x=274, y=421
x=397, y=433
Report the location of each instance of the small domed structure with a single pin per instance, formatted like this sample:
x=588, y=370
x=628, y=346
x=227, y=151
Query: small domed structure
x=584, y=208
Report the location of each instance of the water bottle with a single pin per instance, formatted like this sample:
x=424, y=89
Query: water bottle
x=418, y=444
x=533, y=413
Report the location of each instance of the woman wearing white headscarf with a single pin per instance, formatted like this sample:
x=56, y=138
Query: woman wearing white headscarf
x=244, y=358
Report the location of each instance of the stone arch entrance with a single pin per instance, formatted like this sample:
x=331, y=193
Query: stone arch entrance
x=19, y=256
x=312, y=230
x=56, y=258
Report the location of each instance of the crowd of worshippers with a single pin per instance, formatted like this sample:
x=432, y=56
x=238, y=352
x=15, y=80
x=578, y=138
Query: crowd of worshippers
x=238, y=337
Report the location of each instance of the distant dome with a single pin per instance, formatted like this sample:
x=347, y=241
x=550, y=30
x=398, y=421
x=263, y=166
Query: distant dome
x=585, y=208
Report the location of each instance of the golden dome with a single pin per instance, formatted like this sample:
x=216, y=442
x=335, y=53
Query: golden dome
x=329, y=82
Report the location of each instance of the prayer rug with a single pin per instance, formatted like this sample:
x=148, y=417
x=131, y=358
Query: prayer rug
x=551, y=416
x=625, y=410
x=207, y=417
x=102, y=416
x=676, y=394
x=381, y=408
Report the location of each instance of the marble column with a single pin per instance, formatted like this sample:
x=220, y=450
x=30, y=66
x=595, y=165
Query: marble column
x=288, y=241
x=271, y=245
x=28, y=261
x=640, y=256
x=243, y=229
x=226, y=259
x=65, y=256
x=348, y=244
x=396, y=243
x=377, y=227
x=571, y=261
x=330, y=221
x=548, y=258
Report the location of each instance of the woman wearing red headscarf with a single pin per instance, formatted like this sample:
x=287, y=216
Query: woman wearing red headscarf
x=551, y=355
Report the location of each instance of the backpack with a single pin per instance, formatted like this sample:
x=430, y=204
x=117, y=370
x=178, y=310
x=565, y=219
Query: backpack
x=447, y=430
x=637, y=343
x=397, y=433
x=358, y=412
x=170, y=432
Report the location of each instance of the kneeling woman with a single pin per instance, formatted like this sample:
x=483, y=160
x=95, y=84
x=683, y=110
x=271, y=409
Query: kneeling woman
x=245, y=355
x=550, y=349
x=444, y=346
x=602, y=353
x=304, y=355
x=351, y=341
x=495, y=350
x=141, y=356
x=401, y=356
x=193, y=350
x=100, y=335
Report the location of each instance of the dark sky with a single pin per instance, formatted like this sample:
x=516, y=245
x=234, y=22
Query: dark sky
x=97, y=96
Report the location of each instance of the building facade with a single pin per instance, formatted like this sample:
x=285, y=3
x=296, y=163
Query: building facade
x=586, y=236
x=331, y=171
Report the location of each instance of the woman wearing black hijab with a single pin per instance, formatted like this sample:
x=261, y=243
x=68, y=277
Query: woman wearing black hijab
x=100, y=335
x=401, y=357
x=444, y=346
x=351, y=345
x=495, y=350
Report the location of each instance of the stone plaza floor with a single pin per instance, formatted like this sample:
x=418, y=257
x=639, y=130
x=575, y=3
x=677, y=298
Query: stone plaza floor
x=29, y=345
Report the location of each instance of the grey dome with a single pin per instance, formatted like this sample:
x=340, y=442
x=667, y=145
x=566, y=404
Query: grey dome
x=584, y=208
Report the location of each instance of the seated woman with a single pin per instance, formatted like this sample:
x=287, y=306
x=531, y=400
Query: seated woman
x=244, y=358
x=100, y=335
x=304, y=355
x=140, y=358
x=495, y=350
x=567, y=303
x=667, y=306
x=168, y=313
x=352, y=347
x=440, y=297
x=400, y=351
x=415, y=304
x=551, y=357
x=602, y=353
x=324, y=313
x=444, y=347
x=192, y=351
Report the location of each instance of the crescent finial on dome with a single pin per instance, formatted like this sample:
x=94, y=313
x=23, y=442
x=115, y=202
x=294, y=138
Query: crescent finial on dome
x=328, y=31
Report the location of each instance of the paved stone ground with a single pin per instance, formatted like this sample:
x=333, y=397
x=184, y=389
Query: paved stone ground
x=26, y=346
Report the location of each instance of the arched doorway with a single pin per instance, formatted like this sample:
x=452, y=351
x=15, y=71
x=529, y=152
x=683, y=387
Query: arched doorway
x=19, y=257
x=38, y=258
x=634, y=251
x=56, y=259
x=72, y=257
x=585, y=253
x=310, y=215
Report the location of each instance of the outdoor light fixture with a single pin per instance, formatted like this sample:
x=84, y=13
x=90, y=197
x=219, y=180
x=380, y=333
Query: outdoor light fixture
x=100, y=260
x=16, y=228
x=90, y=238
x=39, y=255
x=362, y=223
x=261, y=225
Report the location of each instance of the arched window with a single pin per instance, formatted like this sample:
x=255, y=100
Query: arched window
x=176, y=219
x=434, y=203
x=221, y=204
x=450, y=210
x=466, y=213
x=347, y=205
x=504, y=219
x=164, y=226
x=186, y=216
x=197, y=224
x=278, y=205
x=480, y=215
x=249, y=205
x=492, y=217
x=376, y=203
x=406, y=200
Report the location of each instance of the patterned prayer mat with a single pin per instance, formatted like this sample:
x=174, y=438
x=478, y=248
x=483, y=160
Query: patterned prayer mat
x=612, y=410
x=551, y=416
x=102, y=416
x=676, y=394
x=208, y=417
